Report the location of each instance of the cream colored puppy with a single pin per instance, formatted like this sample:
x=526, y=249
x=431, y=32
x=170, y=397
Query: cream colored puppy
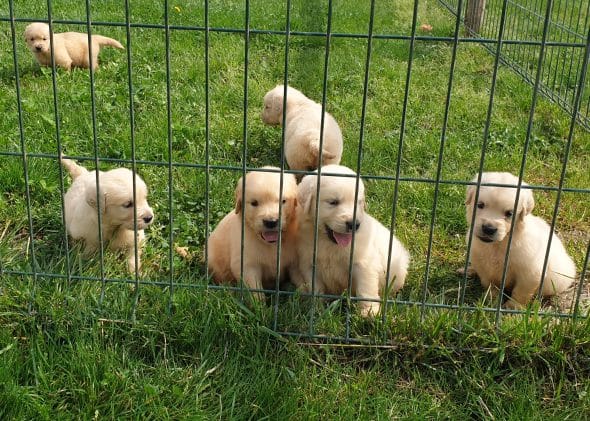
x=335, y=227
x=70, y=49
x=493, y=218
x=302, y=129
x=261, y=232
x=116, y=206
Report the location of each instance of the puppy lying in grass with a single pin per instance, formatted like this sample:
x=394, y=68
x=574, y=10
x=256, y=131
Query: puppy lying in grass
x=117, y=206
x=491, y=231
x=335, y=227
x=302, y=129
x=70, y=49
x=261, y=233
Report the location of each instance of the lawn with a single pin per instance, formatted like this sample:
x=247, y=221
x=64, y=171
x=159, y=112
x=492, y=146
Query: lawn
x=83, y=339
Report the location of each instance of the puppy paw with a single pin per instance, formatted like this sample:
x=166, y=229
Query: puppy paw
x=511, y=304
x=471, y=273
x=369, y=309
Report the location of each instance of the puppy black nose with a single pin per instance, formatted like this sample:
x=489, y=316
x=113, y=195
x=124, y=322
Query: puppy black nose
x=350, y=226
x=488, y=229
x=38, y=48
x=148, y=219
x=270, y=223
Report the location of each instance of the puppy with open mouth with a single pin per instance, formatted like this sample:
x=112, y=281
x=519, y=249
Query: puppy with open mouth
x=336, y=225
x=70, y=49
x=121, y=210
x=491, y=231
x=260, y=211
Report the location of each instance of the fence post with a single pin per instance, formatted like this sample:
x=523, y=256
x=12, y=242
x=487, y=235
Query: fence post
x=474, y=15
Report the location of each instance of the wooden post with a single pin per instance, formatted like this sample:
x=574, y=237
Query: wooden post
x=474, y=16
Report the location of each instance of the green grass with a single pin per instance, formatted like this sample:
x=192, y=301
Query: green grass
x=82, y=349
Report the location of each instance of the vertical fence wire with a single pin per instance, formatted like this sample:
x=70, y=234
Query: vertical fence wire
x=282, y=165
x=359, y=159
x=486, y=136
x=443, y=139
x=207, y=140
x=570, y=137
x=400, y=148
x=529, y=131
x=99, y=204
x=136, y=244
x=244, y=141
x=576, y=307
x=23, y=154
x=319, y=170
x=59, y=145
x=170, y=152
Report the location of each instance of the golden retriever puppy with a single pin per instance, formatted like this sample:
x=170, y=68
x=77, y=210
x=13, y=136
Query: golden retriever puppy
x=302, y=129
x=70, y=49
x=491, y=230
x=117, y=205
x=335, y=228
x=261, y=232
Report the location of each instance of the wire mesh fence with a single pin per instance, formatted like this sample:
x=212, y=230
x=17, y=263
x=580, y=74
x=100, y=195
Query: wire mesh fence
x=185, y=107
x=563, y=42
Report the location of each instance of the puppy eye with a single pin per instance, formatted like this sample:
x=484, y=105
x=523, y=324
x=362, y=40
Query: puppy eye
x=508, y=214
x=481, y=205
x=128, y=204
x=334, y=202
x=284, y=201
x=44, y=39
x=254, y=203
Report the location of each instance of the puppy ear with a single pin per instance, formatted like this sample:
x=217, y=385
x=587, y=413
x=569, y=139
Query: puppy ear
x=91, y=197
x=306, y=192
x=238, y=196
x=470, y=195
x=527, y=200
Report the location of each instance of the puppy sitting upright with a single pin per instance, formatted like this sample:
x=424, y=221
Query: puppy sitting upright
x=116, y=206
x=70, y=49
x=302, y=129
x=335, y=227
x=261, y=232
x=493, y=219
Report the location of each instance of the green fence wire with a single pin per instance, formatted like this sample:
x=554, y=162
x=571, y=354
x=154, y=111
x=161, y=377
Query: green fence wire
x=565, y=24
x=547, y=42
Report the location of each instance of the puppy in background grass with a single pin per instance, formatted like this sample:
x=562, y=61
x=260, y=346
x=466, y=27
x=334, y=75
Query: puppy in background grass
x=302, y=129
x=261, y=233
x=70, y=49
x=117, y=205
x=491, y=230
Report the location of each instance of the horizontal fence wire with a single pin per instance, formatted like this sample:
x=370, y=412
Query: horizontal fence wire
x=551, y=54
x=568, y=25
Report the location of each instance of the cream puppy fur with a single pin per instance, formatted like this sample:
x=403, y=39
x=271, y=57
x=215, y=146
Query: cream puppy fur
x=261, y=232
x=335, y=227
x=116, y=206
x=302, y=129
x=70, y=49
x=529, y=243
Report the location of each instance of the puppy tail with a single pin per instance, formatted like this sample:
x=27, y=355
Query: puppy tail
x=108, y=42
x=314, y=145
x=74, y=169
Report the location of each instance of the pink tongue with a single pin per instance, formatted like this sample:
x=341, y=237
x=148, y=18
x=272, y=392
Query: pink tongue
x=343, y=240
x=270, y=236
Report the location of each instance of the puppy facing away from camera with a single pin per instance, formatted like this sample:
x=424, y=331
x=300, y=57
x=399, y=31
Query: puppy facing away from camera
x=70, y=49
x=530, y=238
x=335, y=227
x=116, y=204
x=261, y=233
x=302, y=129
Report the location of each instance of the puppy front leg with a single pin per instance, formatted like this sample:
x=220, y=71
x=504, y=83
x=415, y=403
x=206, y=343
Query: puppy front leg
x=522, y=294
x=366, y=284
x=253, y=280
x=124, y=241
